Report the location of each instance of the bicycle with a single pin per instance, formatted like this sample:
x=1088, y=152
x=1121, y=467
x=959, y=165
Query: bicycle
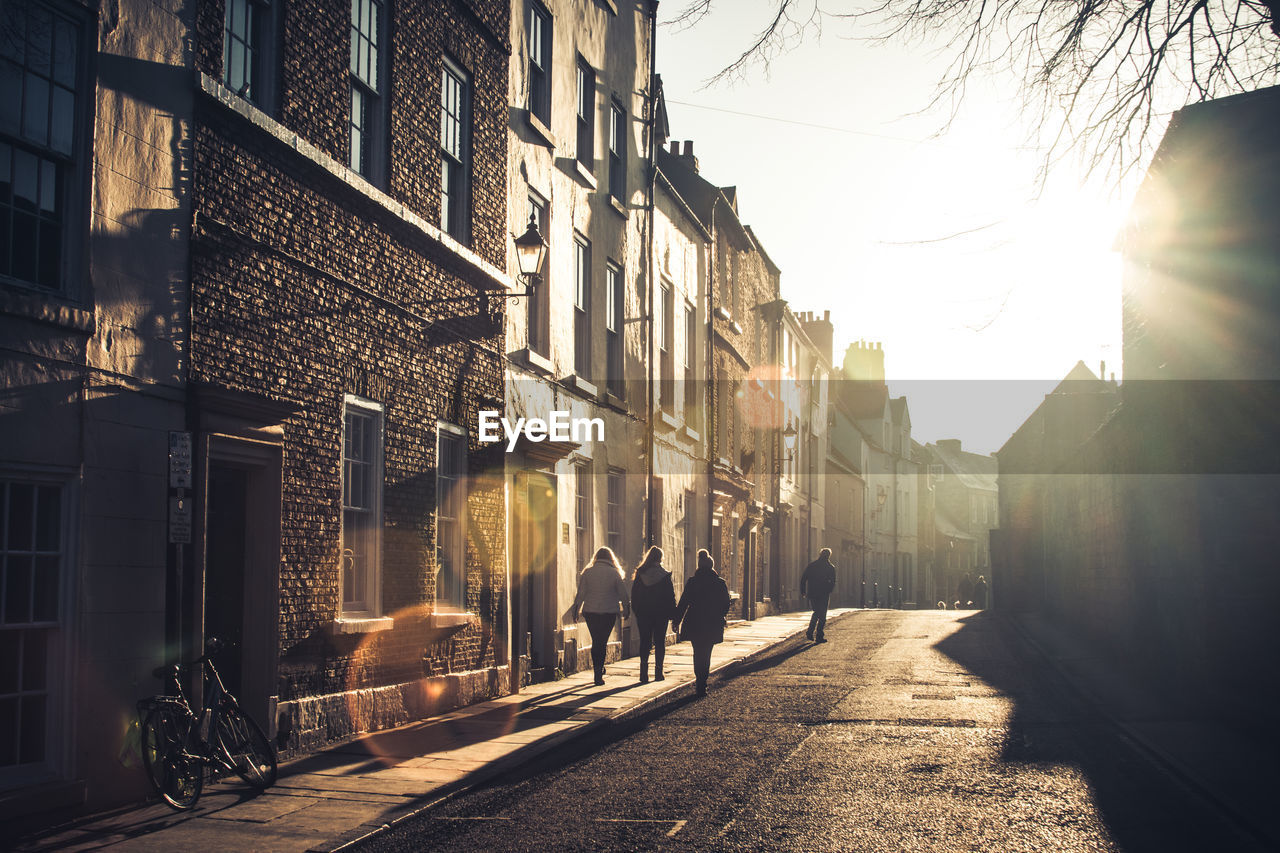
x=177, y=747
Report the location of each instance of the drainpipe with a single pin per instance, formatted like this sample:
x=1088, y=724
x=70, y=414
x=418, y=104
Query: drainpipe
x=651, y=189
x=711, y=423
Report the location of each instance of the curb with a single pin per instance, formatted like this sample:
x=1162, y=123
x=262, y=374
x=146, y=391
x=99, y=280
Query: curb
x=636, y=714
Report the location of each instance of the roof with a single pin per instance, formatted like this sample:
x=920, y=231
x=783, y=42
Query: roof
x=898, y=410
x=973, y=470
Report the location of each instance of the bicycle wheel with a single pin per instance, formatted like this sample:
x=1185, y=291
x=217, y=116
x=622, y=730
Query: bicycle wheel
x=246, y=748
x=173, y=772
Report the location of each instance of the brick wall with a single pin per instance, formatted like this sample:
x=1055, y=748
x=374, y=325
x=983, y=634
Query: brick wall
x=307, y=287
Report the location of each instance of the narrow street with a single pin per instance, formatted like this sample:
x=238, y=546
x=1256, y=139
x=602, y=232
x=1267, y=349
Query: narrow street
x=916, y=730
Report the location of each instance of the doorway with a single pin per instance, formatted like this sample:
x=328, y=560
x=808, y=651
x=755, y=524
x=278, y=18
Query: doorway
x=240, y=572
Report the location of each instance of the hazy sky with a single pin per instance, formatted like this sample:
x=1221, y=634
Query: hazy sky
x=861, y=212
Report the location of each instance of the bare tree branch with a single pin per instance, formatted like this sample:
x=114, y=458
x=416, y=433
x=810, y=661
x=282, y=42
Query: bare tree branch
x=1100, y=75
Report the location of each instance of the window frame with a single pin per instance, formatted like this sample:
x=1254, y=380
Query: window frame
x=262, y=79
x=451, y=593
x=617, y=509
x=539, y=73
x=586, y=115
x=617, y=151
x=374, y=97
x=665, y=334
x=369, y=604
x=71, y=166
x=581, y=305
x=615, y=300
x=54, y=631
x=455, y=167
x=582, y=514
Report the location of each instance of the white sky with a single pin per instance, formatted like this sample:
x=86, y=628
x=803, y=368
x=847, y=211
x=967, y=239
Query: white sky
x=1034, y=288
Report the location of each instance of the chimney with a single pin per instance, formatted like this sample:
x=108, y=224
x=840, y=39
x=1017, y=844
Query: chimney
x=822, y=333
x=675, y=148
x=950, y=444
x=1102, y=370
x=687, y=157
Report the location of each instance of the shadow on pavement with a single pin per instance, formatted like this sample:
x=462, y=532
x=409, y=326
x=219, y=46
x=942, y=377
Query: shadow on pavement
x=1144, y=804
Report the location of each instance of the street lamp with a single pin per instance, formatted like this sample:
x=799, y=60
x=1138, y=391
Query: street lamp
x=789, y=436
x=530, y=251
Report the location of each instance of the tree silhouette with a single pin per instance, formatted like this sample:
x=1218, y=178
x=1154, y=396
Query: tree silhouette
x=1099, y=75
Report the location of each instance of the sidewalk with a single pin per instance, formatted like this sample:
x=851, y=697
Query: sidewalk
x=1231, y=770
x=327, y=800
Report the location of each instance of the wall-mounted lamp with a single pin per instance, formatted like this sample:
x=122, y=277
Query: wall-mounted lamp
x=531, y=249
x=789, y=436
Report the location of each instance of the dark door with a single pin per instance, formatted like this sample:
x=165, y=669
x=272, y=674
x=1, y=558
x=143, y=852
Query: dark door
x=225, y=560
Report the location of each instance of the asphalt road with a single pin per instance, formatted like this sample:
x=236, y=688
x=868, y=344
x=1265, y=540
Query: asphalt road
x=909, y=730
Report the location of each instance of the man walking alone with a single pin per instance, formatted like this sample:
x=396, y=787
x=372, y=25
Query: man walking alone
x=817, y=582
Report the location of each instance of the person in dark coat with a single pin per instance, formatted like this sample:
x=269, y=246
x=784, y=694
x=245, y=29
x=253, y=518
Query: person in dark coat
x=980, y=593
x=700, y=614
x=653, y=600
x=817, y=582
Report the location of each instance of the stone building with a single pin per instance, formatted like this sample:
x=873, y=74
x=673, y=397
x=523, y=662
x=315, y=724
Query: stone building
x=95, y=195
x=345, y=334
x=245, y=370
x=579, y=164
x=743, y=417
x=965, y=511
x=804, y=364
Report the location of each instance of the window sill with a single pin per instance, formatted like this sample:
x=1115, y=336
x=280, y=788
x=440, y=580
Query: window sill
x=615, y=401
x=665, y=421
x=46, y=308
x=690, y=434
x=451, y=620
x=581, y=385
x=544, y=134
x=362, y=624
x=584, y=174
x=536, y=361
x=618, y=207
x=735, y=328
x=722, y=313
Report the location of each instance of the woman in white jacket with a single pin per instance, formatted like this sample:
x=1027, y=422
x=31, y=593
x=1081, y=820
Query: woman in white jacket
x=601, y=594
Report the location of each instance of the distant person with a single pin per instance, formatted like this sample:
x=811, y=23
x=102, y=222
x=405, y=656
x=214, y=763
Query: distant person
x=700, y=614
x=965, y=592
x=653, y=598
x=602, y=592
x=817, y=582
x=980, y=593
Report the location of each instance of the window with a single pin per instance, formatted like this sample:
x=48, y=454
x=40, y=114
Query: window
x=451, y=504
x=586, y=115
x=540, y=62
x=539, y=304
x=617, y=487
x=248, y=50
x=361, y=506
x=581, y=305
x=617, y=152
x=41, y=159
x=613, y=325
x=690, y=359
x=455, y=154
x=666, y=344
x=582, y=511
x=368, y=73
x=31, y=556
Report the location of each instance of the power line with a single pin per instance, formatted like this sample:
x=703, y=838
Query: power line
x=831, y=128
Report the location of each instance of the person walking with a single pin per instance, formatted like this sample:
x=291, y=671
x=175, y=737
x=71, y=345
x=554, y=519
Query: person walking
x=817, y=582
x=653, y=600
x=602, y=592
x=980, y=593
x=700, y=614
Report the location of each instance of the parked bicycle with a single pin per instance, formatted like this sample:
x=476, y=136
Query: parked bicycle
x=179, y=748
